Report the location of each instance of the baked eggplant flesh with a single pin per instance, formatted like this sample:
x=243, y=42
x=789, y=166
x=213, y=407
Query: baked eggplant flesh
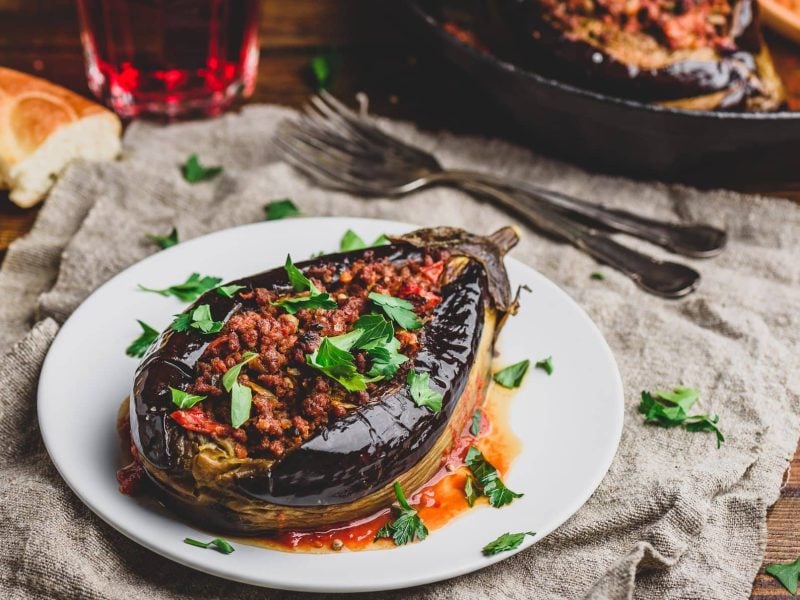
x=318, y=447
x=694, y=54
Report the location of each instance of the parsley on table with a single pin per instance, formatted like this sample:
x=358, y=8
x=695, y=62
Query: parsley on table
x=597, y=276
x=220, y=545
x=787, y=574
x=352, y=241
x=338, y=364
x=164, y=241
x=398, y=310
x=191, y=289
x=670, y=408
x=546, y=365
x=488, y=480
x=475, y=428
x=421, y=392
x=301, y=283
x=229, y=291
x=140, y=345
x=194, y=172
x=183, y=399
x=241, y=395
x=506, y=542
x=200, y=318
x=511, y=376
x=280, y=209
x=407, y=524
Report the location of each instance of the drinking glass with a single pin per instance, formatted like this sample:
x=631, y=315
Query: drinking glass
x=170, y=58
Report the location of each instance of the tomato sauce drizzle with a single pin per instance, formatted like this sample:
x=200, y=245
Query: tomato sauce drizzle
x=438, y=502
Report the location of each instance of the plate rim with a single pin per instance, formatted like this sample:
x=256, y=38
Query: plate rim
x=435, y=576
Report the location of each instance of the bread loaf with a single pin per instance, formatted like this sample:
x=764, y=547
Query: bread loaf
x=42, y=128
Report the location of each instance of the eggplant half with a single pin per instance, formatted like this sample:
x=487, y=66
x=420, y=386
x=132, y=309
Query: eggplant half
x=347, y=468
x=702, y=55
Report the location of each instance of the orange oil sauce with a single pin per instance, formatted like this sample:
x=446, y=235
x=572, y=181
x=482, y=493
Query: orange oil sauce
x=438, y=502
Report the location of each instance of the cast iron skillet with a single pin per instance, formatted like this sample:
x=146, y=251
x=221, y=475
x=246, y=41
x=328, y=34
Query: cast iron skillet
x=624, y=136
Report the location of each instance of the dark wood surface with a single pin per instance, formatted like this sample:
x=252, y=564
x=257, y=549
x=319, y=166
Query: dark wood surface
x=378, y=56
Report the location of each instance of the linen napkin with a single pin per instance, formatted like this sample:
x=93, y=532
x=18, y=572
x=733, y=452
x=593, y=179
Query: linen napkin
x=674, y=518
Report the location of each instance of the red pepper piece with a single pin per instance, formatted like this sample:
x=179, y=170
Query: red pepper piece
x=195, y=419
x=433, y=271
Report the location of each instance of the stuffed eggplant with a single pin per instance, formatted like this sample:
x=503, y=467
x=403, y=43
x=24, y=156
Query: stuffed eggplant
x=696, y=54
x=295, y=398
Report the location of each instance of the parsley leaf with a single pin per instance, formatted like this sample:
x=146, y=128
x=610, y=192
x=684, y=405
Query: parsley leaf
x=597, y=276
x=475, y=428
x=386, y=359
x=190, y=289
x=229, y=291
x=422, y=393
x=546, y=365
x=200, y=318
x=506, y=542
x=376, y=331
x=220, y=545
x=280, y=209
x=398, y=310
x=488, y=479
x=787, y=574
x=470, y=492
x=193, y=171
x=301, y=283
x=352, y=241
x=164, y=241
x=669, y=408
x=183, y=399
x=407, y=524
x=241, y=395
x=338, y=364
x=511, y=376
x=140, y=345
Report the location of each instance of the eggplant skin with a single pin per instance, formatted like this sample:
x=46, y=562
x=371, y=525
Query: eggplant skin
x=345, y=471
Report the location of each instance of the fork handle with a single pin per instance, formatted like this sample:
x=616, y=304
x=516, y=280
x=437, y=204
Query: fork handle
x=662, y=278
x=698, y=241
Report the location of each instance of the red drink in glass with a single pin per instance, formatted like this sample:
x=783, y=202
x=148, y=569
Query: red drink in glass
x=170, y=57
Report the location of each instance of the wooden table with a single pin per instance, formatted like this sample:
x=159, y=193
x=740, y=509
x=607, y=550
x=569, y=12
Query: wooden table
x=376, y=56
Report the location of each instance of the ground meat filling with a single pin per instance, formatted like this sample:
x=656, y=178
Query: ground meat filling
x=292, y=401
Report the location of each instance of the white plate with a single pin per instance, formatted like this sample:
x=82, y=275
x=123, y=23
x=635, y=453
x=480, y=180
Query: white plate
x=570, y=423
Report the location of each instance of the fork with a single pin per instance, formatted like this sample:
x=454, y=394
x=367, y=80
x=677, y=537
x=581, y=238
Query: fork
x=341, y=150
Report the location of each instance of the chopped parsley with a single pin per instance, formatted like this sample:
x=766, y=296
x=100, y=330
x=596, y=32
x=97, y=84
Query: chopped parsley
x=488, y=480
x=375, y=331
x=511, y=376
x=301, y=283
x=220, y=545
x=597, y=276
x=229, y=291
x=164, y=241
x=194, y=286
x=183, y=399
x=787, y=574
x=241, y=395
x=475, y=428
x=386, y=359
x=470, y=491
x=323, y=67
x=194, y=172
x=280, y=209
x=352, y=241
x=506, y=542
x=407, y=525
x=140, y=345
x=398, y=310
x=670, y=408
x=421, y=392
x=338, y=364
x=200, y=318
x=546, y=365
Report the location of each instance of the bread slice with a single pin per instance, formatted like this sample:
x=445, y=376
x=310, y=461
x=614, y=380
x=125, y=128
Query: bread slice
x=42, y=128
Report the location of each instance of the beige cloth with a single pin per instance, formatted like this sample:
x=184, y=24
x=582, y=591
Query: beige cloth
x=674, y=518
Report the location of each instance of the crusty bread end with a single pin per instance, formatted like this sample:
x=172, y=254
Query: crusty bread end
x=43, y=127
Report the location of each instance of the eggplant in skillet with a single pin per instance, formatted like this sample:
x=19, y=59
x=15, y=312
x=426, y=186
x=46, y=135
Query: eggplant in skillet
x=330, y=360
x=696, y=54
